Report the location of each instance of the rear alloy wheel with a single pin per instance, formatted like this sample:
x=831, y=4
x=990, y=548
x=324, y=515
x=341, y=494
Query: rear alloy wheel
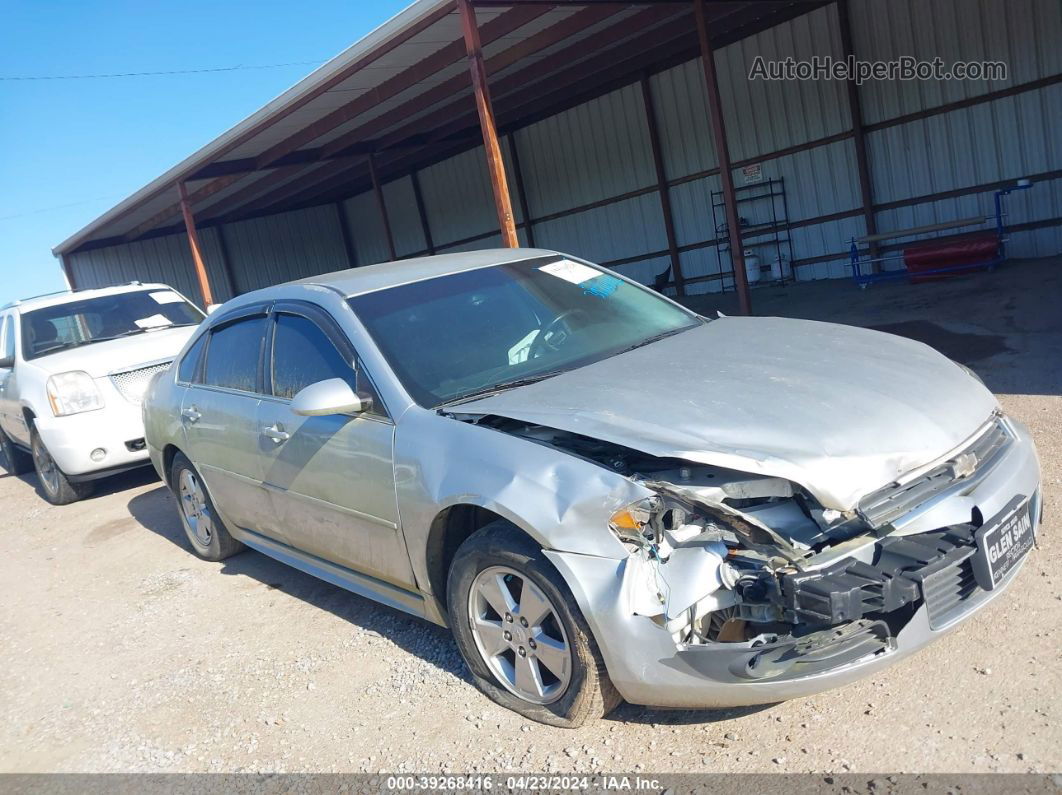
x=56, y=487
x=14, y=459
x=206, y=532
x=521, y=632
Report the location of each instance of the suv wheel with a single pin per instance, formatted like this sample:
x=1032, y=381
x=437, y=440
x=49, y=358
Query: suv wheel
x=206, y=532
x=56, y=487
x=15, y=460
x=520, y=632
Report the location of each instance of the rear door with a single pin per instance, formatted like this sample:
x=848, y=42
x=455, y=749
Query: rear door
x=219, y=416
x=331, y=479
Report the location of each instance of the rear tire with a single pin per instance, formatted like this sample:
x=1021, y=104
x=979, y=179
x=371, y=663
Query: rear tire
x=207, y=534
x=547, y=669
x=15, y=460
x=56, y=487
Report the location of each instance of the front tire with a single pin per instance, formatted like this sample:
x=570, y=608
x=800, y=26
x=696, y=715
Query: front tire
x=520, y=632
x=15, y=460
x=56, y=487
x=206, y=532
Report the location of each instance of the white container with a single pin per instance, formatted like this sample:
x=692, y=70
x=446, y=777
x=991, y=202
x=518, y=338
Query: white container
x=781, y=269
x=752, y=266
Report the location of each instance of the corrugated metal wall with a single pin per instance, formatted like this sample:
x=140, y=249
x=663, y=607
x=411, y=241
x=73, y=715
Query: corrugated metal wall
x=591, y=186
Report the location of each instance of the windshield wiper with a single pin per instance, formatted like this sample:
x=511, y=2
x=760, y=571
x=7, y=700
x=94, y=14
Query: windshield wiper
x=504, y=386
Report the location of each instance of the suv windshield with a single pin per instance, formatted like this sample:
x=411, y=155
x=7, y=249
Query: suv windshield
x=107, y=317
x=458, y=336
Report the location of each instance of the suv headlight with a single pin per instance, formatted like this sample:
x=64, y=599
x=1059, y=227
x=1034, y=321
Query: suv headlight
x=73, y=393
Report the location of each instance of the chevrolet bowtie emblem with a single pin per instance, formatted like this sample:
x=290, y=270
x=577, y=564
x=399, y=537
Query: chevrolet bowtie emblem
x=964, y=465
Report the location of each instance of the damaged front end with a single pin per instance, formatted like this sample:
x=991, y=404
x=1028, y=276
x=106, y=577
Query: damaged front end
x=755, y=581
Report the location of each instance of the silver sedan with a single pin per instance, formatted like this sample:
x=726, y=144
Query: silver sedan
x=603, y=495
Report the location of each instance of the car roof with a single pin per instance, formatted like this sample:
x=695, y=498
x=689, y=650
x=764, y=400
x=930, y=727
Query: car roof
x=68, y=296
x=369, y=278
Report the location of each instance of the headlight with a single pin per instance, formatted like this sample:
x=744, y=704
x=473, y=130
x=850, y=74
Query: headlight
x=631, y=524
x=73, y=393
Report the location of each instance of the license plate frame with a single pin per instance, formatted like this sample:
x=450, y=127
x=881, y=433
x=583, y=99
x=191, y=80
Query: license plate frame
x=1003, y=541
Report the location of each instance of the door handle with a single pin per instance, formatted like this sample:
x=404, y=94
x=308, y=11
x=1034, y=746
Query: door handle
x=276, y=434
x=191, y=414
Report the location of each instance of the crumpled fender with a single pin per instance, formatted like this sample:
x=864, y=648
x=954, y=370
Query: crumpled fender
x=559, y=500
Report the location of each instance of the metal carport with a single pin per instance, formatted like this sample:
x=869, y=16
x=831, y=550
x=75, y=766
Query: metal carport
x=600, y=131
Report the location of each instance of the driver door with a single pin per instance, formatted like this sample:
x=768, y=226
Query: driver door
x=330, y=479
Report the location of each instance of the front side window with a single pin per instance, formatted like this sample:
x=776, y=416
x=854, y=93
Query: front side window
x=189, y=367
x=303, y=355
x=102, y=318
x=452, y=337
x=233, y=354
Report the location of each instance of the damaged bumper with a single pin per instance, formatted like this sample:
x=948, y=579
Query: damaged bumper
x=857, y=614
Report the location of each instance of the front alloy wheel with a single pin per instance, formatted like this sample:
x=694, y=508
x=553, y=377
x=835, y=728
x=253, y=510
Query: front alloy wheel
x=519, y=635
x=520, y=630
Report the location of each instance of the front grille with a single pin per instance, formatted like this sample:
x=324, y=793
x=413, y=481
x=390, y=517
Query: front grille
x=947, y=592
x=132, y=383
x=893, y=501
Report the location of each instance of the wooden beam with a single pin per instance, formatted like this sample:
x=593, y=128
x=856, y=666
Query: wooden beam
x=495, y=164
x=726, y=176
x=521, y=194
x=422, y=211
x=193, y=244
x=662, y=188
x=378, y=191
x=211, y=188
x=859, y=140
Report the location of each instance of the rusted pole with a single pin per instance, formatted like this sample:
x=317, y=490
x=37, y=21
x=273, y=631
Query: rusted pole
x=383, y=206
x=495, y=164
x=193, y=244
x=855, y=109
x=662, y=188
x=726, y=177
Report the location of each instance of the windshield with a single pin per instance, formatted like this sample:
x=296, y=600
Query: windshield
x=107, y=317
x=475, y=332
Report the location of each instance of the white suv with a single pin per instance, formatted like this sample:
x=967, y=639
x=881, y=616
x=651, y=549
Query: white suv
x=73, y=368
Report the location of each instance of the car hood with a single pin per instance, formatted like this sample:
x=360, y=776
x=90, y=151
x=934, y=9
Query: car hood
x=839, y=410
x=126, y=353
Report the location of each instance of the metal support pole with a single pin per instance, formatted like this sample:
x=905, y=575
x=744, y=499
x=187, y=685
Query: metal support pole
x=521, y=194
x=662, y=188
x=422, y=211
x=726, y=176
x=383, y=207
x=495, y=164
x=855, y=109
x=348, y=239
x=193, y=244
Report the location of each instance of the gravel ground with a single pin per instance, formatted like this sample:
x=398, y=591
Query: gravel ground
x=122, y=652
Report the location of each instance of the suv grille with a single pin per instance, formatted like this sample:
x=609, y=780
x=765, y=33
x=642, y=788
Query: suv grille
x=888, y=504
x=132, y=383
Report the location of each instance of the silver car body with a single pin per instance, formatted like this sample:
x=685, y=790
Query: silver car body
x=875, y=428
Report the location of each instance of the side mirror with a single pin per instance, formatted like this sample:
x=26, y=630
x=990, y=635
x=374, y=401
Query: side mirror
x=7, y=362
x=333, y=396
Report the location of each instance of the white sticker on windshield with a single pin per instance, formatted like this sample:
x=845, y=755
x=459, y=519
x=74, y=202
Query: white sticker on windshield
x=573, y=272
x=167, y=297
x=155, y=321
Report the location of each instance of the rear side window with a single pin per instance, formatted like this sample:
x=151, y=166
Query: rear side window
x=303, y=355
x=188, y=370
x=232, y=356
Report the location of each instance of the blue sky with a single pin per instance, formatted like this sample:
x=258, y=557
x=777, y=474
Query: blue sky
x=71, y=149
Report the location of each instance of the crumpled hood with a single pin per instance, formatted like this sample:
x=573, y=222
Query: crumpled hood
x=124, y=353
x=838, y=409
